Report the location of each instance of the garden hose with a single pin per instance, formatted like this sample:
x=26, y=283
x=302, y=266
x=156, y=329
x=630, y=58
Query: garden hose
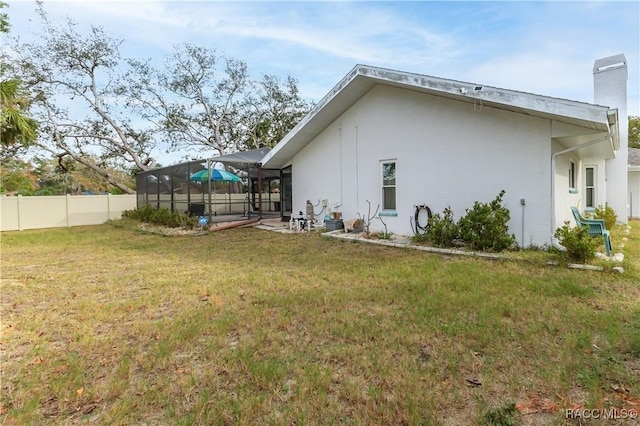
x=421, y=229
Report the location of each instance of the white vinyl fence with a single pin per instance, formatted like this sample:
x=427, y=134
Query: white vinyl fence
x=19, y=213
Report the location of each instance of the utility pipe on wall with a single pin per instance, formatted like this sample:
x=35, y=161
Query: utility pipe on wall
x=341, y=163
x=357, y=174
x=522, y=203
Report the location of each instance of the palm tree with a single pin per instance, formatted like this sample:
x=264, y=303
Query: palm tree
x=15, y=127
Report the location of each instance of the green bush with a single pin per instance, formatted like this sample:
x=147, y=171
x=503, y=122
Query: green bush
x=143, y=214
x=580, y=245
x=162, y=217
x=484, y=227
x=607, y=214
x=443, y=230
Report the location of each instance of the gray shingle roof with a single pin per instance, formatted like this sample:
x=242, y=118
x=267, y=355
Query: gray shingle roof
x=634, y=157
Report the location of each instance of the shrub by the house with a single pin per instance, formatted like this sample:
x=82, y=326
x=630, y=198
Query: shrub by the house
x=443, y=230
x=607, y=214
x=484, y=227
x=580, y=245
x=161, y=216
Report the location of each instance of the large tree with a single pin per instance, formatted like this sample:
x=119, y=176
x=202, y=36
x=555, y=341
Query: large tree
x=274, y=111
x=17, y=177
x=4, y=19
x=207, y=104
x=108, y=113
x=72, y=76
x=61, y=176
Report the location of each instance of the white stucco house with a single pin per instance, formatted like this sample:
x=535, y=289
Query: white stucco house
x=634, y=183
x=400, y=139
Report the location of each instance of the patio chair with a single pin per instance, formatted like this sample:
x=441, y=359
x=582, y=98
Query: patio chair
x=595, y=228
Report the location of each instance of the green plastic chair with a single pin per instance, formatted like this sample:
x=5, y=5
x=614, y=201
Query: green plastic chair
x=595, y=228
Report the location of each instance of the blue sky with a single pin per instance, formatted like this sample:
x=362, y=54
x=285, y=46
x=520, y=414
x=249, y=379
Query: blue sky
x=546, y=48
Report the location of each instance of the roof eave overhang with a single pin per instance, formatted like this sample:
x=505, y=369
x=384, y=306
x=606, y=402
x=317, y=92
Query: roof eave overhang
x=579, y=113
x=595, y=145
x=362, y=78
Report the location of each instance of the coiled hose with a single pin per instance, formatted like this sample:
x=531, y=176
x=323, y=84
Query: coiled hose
x=421, y=229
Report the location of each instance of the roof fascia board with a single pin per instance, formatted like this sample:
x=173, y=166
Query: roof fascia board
x=491, y=96
x=564, y=110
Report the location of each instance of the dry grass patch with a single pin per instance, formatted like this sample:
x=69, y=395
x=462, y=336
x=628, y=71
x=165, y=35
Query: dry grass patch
x=109, y=325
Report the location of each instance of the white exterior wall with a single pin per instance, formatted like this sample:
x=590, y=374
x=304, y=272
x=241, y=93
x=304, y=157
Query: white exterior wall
x=634, y=194
x=565, y=196
x=448, y=153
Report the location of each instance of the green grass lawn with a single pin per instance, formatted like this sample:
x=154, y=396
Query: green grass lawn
x=107, y=325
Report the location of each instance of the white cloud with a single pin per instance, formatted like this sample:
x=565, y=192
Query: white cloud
x=539, y=47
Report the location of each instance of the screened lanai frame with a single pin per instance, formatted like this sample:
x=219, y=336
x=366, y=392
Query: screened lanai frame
x=171, y=188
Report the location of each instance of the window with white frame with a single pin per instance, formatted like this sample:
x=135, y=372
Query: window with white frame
x=572, y=175
x=590, y=187
x=388, y=185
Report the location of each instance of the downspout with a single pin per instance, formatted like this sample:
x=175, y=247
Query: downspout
x=357, y=174
x=341, y=164
x=553, y=175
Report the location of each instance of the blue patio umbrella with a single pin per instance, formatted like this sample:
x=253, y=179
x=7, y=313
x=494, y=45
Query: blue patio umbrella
x=216, y=175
